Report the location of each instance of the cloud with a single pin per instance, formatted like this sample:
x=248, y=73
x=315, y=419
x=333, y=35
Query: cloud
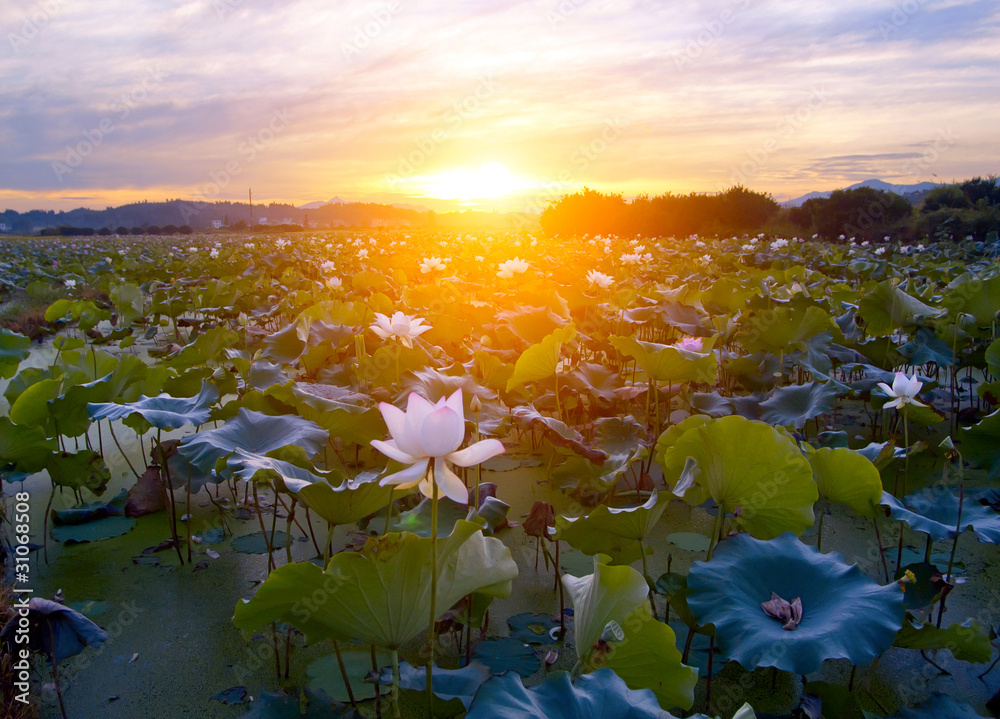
x=697, y=88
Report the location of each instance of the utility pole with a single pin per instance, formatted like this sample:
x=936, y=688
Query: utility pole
x=251, y=208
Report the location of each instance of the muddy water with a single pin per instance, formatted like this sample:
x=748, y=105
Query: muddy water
x=173, y=646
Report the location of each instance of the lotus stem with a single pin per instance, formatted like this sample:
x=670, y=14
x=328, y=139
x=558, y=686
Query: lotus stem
x=388, y=512
x=343, y=672
x=434, y=569
x=954, y=546
x=395, y=683
x=645, y=575
x=111, y=426
x=716, y=531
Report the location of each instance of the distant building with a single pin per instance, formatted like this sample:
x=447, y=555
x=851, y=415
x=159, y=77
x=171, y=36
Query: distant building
x=217, y=224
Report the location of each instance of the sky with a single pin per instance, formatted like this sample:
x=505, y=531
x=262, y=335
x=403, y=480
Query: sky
x=103, y=102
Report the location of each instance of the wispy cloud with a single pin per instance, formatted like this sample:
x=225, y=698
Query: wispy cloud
x=699, y=89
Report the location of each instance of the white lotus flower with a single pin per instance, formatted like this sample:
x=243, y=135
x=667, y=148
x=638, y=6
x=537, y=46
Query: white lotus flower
x=428, y=432
x=429, y=264
x=70, y=284
x=400, y=327
x=334, y=283
x=600, y=279
x=904, y=391
x=509, y=268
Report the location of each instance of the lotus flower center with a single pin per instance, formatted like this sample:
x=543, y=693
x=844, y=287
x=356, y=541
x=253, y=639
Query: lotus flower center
x=788, y=613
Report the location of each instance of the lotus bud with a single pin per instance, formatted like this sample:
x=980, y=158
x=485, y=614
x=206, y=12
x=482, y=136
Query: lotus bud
x=965, y=320
x=476, y=404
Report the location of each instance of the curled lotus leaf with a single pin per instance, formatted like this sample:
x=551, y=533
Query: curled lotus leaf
x=845, y=614
x=936, y=514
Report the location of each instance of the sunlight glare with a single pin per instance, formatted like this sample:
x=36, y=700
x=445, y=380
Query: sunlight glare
x=491, y=181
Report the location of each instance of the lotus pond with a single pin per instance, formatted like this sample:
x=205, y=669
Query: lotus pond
x=390, y=474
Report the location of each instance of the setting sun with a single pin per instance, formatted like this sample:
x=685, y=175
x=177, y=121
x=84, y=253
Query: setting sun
x=491, y=181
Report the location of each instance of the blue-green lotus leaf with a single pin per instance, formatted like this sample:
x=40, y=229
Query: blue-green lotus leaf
x=936, y=514
x=447, y=684
x=927, y=347
x=284, y=346
x=55, y=630
x=797, y=404
x=938, y=707
x=845, y=614
x=253, y=432
x=24, y=448
x=596, y=695
x=163, y=411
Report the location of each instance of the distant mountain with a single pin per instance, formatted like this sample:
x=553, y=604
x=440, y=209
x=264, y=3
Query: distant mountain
x=319, y=203
x=916, y=189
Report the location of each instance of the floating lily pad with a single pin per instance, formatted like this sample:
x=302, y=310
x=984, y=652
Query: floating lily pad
x=288, y=706
x=214, y=535
x=503, y=655
x=233, y=695
x=447, y=684
x=324, y=673
x=93, y=531
x=533, y=628
x=255, y=543
x=691, y=541
x=501, y=463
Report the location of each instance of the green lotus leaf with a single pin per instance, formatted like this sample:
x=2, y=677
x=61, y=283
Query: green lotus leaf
x=974, y=296
x=33, y=407
x=380, y=595
x=163, y=411
x=558, y=432
x=783, y=329
x=993, y=358
x=848, y=477
x=668, y=364
x=845, y=614
x=207, y=347
x=618, y=533
x=78, y=470
x=252, y=432
x=967, y=642
x=596, y=695
x=26, y=449
x=611, y=593
x=352, y=423
x=539, y=361
x=284, y=346
x=747, y=465
x=350, y=501
x=129, y=301
x=99, y=529
x=794, y=405
x=14, y=348
x=647, y=658
x=981, y=444
x=888, y=308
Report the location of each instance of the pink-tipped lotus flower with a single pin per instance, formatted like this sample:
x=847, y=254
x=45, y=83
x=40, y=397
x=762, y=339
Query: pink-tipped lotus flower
x=400, y=327
x=431, y=433
x=904, y=391
x=691, y=344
